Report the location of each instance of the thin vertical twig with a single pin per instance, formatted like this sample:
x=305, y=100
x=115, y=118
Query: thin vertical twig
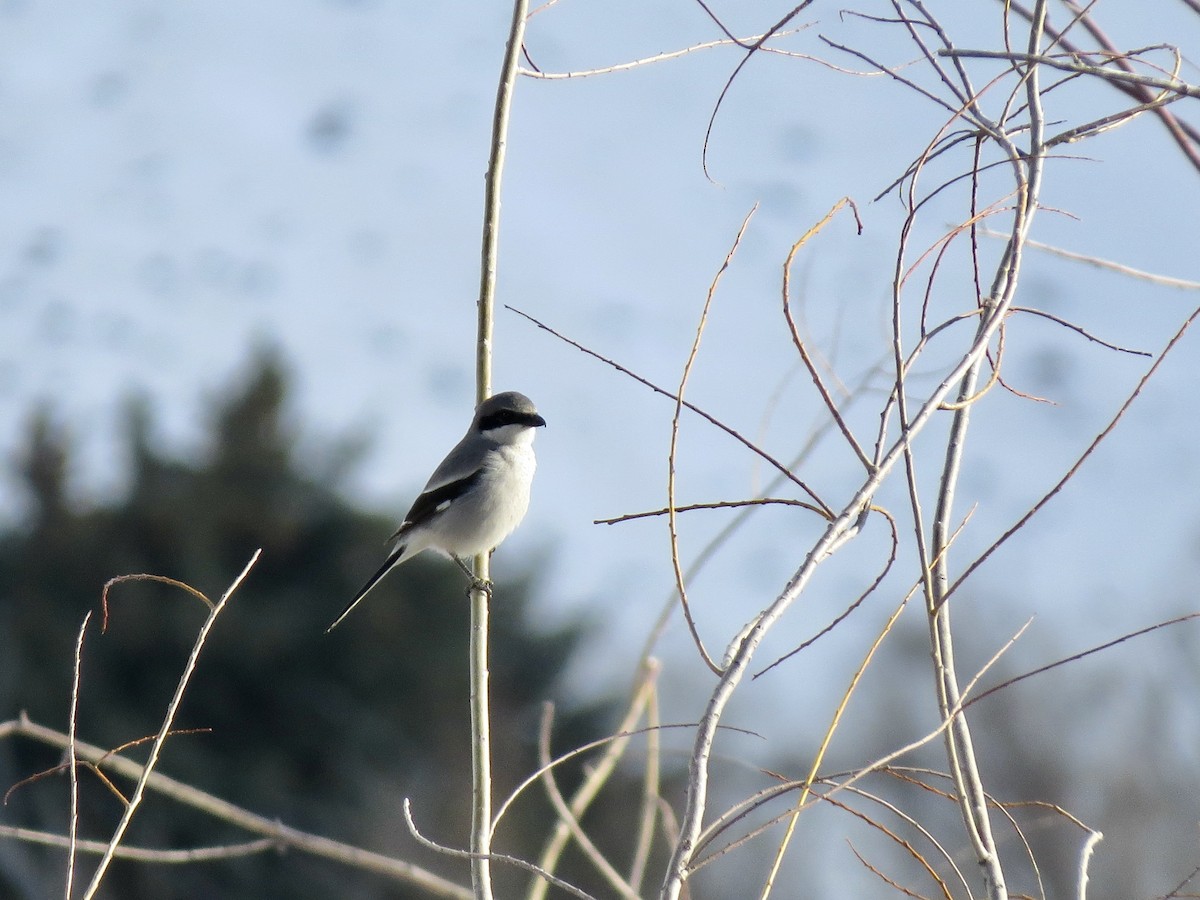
x=481, y=763
x=672, y=516
x=481, y=749
x=493, y=182
x=818, y=758
x=72, y=761
x=651, y=798
x=960, y=749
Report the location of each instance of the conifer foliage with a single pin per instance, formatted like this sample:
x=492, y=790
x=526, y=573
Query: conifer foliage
x=327, y=732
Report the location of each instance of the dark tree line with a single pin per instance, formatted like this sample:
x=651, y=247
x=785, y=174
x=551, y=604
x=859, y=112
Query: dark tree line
x=326, y=732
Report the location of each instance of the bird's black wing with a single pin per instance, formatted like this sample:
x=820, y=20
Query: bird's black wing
x=425, y=508
x=432, y=502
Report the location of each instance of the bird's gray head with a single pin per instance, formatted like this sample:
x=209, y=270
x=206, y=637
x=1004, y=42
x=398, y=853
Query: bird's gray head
x=510, y=408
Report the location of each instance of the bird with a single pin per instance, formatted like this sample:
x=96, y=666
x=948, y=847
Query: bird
x=476, y=497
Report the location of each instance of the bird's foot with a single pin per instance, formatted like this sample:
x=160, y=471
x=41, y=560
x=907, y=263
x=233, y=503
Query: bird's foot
x=477, y=584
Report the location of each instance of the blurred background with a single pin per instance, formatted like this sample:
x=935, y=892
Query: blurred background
x=238, y=265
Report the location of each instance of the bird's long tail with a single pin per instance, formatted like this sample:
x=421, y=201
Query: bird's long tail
x=393, y=560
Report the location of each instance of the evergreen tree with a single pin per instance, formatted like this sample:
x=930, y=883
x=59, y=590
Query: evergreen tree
x=326, y=732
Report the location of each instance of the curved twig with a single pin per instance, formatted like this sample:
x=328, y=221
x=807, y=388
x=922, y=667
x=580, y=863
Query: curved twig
x=663, y=57
x=819, y=382
x=491, y=857
x=160, y=579
x=750, y=51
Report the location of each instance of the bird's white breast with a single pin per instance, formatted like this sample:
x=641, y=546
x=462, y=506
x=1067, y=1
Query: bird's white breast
x=479, y=522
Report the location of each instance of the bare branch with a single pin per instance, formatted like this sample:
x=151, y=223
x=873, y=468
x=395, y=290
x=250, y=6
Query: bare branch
x=491, y=857
x=750, y=51
x=142, y=854
x=1070, y=473
x=845, y=614
x=805, y=357
x=71, y=759
x=161, y=579
x=663, y=57
x=719, y=504
x=1071, y=64
x=749, y=445
x=1058, y=320
x=1081, y=655
x=1100, y=263
x=238, y=817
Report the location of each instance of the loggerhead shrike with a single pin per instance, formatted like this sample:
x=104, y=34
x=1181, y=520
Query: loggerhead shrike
x=477, y=496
